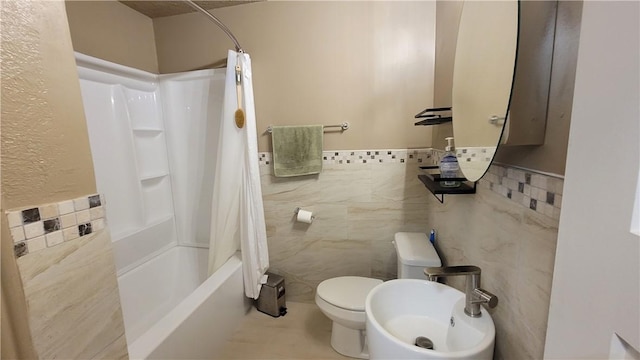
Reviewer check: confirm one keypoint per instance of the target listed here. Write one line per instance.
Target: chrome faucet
(474, 295)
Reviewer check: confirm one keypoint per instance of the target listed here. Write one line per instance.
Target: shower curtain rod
(218, 22)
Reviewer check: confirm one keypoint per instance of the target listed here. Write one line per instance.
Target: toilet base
(349, 342)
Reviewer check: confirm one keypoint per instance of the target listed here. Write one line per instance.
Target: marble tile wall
(515, 248)
(360, 200)
(360, 205)
(70, 285)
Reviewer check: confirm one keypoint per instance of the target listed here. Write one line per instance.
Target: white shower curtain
(237, 216)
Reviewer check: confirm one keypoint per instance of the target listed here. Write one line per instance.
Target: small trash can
(272, 300)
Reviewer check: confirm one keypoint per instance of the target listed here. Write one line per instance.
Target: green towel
(297, 150)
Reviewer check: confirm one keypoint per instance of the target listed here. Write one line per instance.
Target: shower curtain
(237, 214)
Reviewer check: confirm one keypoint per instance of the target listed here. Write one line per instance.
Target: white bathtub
(172, 311)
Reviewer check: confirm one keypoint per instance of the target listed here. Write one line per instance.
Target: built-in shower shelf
(159, 221)
(152, 177)
(163, 223)
(148, 130)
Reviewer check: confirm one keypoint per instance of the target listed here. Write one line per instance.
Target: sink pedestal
(349, 342)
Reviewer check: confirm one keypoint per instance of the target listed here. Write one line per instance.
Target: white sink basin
(399, 311)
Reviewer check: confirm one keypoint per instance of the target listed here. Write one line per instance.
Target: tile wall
(475, 153)
(66, 265)
(514, 246)
(40, 227)
(539, 192)
(362, 198)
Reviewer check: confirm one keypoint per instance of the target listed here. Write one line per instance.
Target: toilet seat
(347, 292)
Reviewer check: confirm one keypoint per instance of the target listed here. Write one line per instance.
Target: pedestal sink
(400, 311)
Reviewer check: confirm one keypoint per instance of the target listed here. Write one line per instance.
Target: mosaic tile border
(40, 227)
(379, 156)
(538, 192)
(475, 153)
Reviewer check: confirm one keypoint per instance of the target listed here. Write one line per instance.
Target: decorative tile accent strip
(347, 157)
(44, 226)
(538, 192)
(475, 153)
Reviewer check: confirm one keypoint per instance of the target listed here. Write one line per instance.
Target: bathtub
(172, 311)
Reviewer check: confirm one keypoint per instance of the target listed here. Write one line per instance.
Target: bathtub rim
(145, 345)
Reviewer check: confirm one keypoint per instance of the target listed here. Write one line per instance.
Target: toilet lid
(347, 292)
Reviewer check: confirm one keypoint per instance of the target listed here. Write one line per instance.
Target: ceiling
(160, 8)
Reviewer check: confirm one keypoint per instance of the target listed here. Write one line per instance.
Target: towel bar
(344, 126)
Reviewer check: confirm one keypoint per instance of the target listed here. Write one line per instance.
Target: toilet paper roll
(304, 216)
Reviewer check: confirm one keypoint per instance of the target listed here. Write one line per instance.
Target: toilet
(342, 298)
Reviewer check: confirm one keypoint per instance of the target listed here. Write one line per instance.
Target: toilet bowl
(342, 299)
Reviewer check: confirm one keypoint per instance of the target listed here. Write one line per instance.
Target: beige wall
(45, 145)
(112, 31)
(447, 19)
(376, 92)
(368, 63)
(551, 156)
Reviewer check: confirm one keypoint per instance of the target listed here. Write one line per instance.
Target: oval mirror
(482, 81)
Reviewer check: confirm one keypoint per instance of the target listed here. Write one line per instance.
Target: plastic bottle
(449, 165)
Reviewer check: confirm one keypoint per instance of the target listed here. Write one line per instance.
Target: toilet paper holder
(297, 210)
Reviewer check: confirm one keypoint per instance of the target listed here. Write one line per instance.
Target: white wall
(596, 285)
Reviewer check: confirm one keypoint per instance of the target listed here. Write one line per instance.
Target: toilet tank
(415, 252)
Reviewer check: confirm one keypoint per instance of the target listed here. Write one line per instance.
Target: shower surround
(153, 140)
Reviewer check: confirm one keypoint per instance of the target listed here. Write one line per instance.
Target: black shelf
(433, 117)
(431, 180)
(433, 121)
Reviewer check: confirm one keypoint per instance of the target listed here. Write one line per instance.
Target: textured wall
(46, 158)
(114, 32)
(45, 146)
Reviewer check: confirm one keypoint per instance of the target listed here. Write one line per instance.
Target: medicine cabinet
(501, 78)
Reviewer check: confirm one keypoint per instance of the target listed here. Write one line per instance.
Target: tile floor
(304, 333)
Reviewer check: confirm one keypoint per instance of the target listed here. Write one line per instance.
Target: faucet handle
(485, 297)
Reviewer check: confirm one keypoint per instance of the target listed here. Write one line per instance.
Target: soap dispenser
(449, 166)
